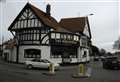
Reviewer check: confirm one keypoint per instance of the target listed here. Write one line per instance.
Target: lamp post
(88, 15)
(83, 70)
(86, 22)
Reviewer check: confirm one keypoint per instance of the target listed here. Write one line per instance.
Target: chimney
(48, 8)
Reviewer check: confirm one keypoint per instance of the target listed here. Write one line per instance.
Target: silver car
(40, 63)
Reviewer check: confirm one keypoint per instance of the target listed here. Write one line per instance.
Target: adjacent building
(38, 35)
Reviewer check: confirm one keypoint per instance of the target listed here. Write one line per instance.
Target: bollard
(88, 71)
(81, 73)
(81, 69)
(51, 68)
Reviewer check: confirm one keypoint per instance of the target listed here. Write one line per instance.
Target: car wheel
(29, 66)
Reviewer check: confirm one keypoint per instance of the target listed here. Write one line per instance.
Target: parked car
(102, 58)
(96, 58)
(111, 63)
(40, 63)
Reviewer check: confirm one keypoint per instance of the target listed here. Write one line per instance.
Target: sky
(104, 23)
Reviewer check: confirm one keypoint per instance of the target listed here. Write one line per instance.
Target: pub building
(38, 35)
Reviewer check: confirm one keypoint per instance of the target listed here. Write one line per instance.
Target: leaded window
(32, 53)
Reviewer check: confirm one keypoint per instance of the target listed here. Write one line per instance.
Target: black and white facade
(38, 35)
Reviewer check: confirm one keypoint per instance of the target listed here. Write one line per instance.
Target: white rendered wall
(82, 53)
(45, 52)
(86, 30)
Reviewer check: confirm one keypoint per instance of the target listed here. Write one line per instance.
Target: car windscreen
(46, 61)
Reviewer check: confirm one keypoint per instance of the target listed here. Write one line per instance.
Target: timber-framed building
(38, 35)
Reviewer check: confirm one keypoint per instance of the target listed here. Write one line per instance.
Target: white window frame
(52, 35)
(57, 35)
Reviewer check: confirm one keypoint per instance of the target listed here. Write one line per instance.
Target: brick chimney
(48, 8)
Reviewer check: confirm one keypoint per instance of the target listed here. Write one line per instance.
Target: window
(65, 37)
(44, 30)
(57, 36)
(83, 42)
(77, 38)
(61, 36)
(37, 36)
(71, 37)
(63, 52)
(32, 53)
(74, 37)
(52, 35)
(56, 52)
(84, 54)
(68, 37)
(34, 37)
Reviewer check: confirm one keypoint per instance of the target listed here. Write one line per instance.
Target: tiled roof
(47, 19)
(74, 24)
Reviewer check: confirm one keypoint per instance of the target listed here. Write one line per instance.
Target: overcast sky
(104, 23)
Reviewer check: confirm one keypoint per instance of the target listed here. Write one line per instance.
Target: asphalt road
(10, 72)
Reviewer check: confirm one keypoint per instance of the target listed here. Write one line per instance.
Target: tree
(109, 54)
(116, 44)
(95, 50)
(102, 52)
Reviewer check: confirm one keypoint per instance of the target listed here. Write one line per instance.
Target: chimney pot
(48, 8)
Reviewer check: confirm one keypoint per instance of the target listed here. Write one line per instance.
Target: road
(10, 72)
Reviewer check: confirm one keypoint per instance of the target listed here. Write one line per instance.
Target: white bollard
(51, 69)
(81, 69)
(88, 71)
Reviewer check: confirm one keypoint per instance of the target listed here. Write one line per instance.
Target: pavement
(11, 72)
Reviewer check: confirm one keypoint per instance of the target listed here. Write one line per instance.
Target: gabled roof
(76, 24)
(45, 18)
(73, 24)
